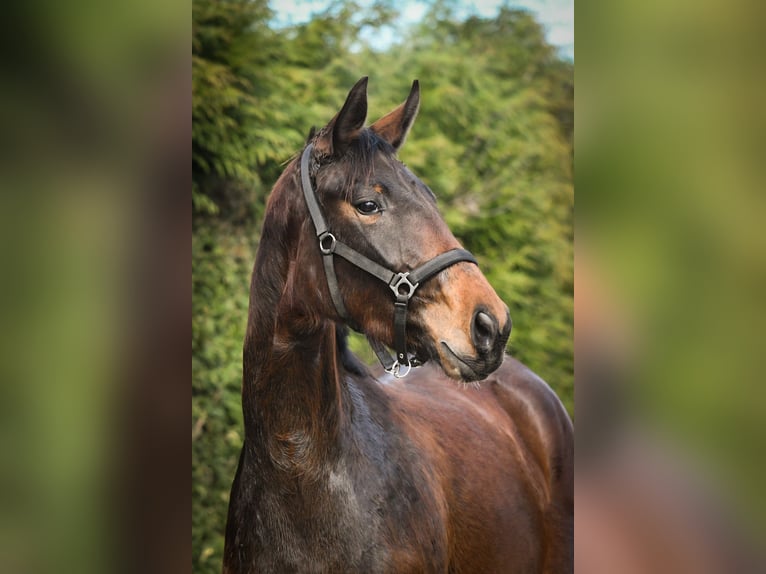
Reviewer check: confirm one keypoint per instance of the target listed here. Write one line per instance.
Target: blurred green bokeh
(82, 86)
(671, 204)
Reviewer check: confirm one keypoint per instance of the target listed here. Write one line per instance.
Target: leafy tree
(236, 122)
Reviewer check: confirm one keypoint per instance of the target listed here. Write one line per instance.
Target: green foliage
(493, 140)
(220, 276)
(240, 127)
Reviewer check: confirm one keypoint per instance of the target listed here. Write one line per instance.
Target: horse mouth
(457, 367)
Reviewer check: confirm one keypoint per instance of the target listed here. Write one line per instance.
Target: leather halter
(403, 284)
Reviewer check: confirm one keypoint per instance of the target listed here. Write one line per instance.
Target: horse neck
(292, 392)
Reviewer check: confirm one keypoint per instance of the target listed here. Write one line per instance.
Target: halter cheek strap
(403, 285)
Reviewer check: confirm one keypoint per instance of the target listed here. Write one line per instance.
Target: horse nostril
(484, 331)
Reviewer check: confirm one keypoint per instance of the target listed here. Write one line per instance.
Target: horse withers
(345, 470)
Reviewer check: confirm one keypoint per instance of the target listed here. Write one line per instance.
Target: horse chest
(343, 523)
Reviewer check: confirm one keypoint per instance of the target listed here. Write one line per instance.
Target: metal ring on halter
(396, 368)
(401, 280)
(327, 250)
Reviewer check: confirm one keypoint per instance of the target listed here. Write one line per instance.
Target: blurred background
(670, 287)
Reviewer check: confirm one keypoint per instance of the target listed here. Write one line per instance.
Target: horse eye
(367, 207)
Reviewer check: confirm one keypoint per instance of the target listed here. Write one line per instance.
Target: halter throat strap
(402, 284)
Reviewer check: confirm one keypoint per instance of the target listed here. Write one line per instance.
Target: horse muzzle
(489, 337)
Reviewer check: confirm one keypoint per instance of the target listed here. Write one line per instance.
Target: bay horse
(349, 469)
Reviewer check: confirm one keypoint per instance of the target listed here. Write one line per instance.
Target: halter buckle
(396, 369)
(402, 286)
(330, 249)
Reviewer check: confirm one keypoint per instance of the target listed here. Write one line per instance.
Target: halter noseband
(403, 285)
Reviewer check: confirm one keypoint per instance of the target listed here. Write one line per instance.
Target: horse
(464, 464)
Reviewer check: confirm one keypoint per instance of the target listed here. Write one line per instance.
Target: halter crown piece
(403, 285)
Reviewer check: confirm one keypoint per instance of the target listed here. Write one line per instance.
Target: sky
(557, 16)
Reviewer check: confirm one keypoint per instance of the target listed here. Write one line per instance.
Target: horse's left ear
(394, 126)
(347, 124)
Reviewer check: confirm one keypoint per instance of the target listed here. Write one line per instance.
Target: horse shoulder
(540, 422)
(545, 431)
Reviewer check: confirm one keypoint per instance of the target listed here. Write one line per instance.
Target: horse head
(369, 207)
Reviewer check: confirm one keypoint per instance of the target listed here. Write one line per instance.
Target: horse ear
(394, 126)
(347, 123)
